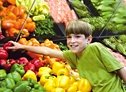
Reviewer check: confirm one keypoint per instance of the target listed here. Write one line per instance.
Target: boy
(93, 61)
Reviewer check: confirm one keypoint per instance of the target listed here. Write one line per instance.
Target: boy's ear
(89, 39)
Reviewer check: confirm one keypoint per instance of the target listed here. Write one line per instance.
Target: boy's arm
(122, 73)
(38, 49)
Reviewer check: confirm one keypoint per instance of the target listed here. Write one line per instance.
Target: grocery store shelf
(91, 8)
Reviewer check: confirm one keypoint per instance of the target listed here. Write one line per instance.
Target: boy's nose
(72, 39)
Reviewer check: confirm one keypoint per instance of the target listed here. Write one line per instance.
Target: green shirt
(98, 66)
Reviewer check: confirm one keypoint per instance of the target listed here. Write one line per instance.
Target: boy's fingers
(11, 48)
(12, 42)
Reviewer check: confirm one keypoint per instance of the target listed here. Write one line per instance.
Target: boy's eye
(68, 36)
(77, 36)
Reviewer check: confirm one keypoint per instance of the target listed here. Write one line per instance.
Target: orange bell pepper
(12, 32)
(25, 33)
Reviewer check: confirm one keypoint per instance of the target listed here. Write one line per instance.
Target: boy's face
(77, 42)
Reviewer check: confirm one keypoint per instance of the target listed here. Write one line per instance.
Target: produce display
(109, 14)
(117, 44)
(28, 20)
(110, 11)
(12, 19)
(39, 73)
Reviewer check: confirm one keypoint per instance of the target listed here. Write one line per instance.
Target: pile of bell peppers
(13, 82)
(4, 56)
(58, 78)
(23, 75)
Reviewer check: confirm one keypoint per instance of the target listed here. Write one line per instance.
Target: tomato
(21, 10)
(16, 11)
(11, 15)
(13, 2)
(17, 25)
(30, 26)
(23, 16)
(12, 32)
(21, 21)
(3, 11)
(6, 24)
(11, 7)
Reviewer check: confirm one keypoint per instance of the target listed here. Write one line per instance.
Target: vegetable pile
(12, 19)
(111, 14)
(40, 73)
(35, 73)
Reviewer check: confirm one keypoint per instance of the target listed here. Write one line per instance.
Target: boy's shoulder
(96, 44)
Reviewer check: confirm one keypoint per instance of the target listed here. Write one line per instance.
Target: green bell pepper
(37, 90)
(10, 83)
(22, 86)
(2, 74)
(19, 68)
(36, 87)
(15, 76)
(2, 84)
(4, 89)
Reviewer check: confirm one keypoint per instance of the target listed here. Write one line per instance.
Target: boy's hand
(16, 45)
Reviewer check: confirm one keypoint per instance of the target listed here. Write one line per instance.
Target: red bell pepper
(23, 60)
(6, 64)
(2, 62)
(37, 63)
(12, 61)
(6, 45)
(3, 54)
(7, 67)
(29, 66)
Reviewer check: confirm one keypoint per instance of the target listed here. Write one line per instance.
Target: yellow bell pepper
(63, 81)
(57, 66)
(84, 85)
(73, 87)
(58, 90)
(44, 71)
(63, 71)
(29, 74)
(49, 85)
(45, 78)
(72, 79)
